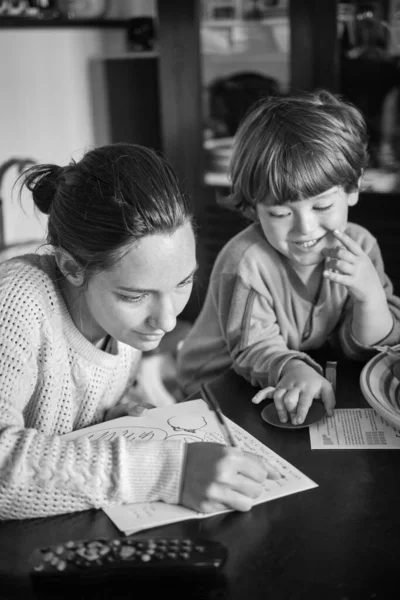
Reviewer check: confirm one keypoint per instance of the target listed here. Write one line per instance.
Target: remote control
(126, 557)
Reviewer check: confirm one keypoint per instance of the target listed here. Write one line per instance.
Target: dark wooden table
(339, 541)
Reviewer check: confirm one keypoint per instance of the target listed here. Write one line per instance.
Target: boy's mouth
(308, 243)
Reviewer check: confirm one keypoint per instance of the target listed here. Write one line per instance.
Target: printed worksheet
(192, 421)
(354, 428)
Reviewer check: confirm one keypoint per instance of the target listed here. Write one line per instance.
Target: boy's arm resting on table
(253, 336)
(261, 355)
(41, 474)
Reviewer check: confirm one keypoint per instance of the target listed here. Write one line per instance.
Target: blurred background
(178, 76)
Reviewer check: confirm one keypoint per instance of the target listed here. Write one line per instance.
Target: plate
(380, 386)
(316, 413)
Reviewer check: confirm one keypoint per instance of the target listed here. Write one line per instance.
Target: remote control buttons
(93, 556)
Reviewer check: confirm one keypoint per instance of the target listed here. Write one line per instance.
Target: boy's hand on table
(219, 477)
(299, 385)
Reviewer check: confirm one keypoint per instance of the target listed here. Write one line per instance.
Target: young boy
(301, 277)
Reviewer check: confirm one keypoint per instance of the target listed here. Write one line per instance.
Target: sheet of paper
(354, 428)
(136, 517)
(192, 421)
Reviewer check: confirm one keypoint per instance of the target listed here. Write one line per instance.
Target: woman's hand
(299, 385)
(219, 477)
(132, 404)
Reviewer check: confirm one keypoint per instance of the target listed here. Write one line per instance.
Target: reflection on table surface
(337, 541)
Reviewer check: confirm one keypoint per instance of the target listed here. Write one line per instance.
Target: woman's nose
(163, 315)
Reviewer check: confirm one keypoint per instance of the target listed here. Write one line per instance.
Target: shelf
(375, 181)
(43, 21)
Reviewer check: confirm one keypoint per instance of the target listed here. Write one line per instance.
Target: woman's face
(138, 300)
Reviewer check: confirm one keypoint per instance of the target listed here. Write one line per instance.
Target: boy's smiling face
(301, 230)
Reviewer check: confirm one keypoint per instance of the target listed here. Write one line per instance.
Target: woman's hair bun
(42, 181)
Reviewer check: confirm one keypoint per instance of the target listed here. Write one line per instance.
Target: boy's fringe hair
(296, 147)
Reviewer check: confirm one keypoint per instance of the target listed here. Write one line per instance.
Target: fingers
(272, 473)
(247, 487)
(135, 410)
(294, 404)
(291, 400)
(208, 506)
(347, 242)
(238, 490)
(303, 407)
(232, 500)
(116, 412)
(218, 477)
(286, 403)
(339, 253)
(328, 398)
(252, 466)
(345, 268)
(267, 471)
(339, 261)
(267, 392)
(337, 277)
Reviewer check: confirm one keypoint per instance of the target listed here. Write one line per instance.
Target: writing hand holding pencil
(223, 477)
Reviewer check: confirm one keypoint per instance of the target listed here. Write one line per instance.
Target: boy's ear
(69, 267)
(352, 198)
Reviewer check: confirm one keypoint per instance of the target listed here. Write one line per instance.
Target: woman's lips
(151, 337)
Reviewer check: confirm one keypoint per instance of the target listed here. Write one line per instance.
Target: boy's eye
(279, 215)
(323, 207)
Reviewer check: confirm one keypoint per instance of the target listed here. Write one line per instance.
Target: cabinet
(313, 64)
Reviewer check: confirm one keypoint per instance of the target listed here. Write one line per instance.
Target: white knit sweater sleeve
(42, 474)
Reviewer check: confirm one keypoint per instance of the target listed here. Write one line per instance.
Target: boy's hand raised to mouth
(350, 266)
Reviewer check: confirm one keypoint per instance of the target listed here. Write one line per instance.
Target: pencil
(211, 400)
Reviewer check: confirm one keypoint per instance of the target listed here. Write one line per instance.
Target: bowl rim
(379, 404)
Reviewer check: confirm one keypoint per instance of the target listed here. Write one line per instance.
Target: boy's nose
(306, 223)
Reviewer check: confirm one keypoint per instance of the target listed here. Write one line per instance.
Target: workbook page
(191, 421)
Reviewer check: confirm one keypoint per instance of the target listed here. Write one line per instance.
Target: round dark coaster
(316, 413)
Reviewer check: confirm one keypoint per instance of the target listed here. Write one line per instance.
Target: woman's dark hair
(297, 147)
(99, 206)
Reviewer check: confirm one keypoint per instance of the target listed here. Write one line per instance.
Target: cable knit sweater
(52, 381)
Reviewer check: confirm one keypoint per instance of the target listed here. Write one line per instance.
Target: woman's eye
(186, 282)
(322, 208)
(132, 299)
